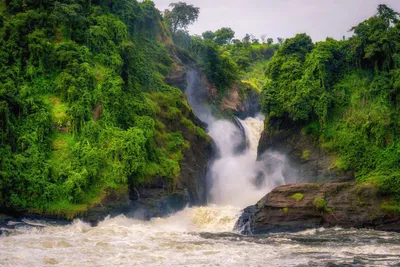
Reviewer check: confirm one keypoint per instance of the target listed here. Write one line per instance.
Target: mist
(236, 177)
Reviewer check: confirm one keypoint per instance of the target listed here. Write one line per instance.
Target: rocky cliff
(303, 152)
(302, 206)
(159, 197)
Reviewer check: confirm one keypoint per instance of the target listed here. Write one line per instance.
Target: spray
(236, 179)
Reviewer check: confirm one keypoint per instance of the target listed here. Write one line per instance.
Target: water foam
(239, 180)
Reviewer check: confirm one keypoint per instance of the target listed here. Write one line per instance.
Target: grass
(69, 211)
(61, 145)
(59, 109)
(298, 196)
(62, 141)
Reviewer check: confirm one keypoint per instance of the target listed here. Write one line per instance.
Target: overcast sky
(283, 18)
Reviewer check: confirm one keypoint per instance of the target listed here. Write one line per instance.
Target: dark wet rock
(4, 224)
(147, 207)
(159, 195)
(177, 77)
(114, 202)
(303, 206)
(194, 166)
(304, 154)
(252, 104)
(243, 145)
(9, 224)
(240, 105)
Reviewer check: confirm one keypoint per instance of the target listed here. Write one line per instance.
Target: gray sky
(283, 18)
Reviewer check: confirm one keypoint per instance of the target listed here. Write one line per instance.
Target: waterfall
(237, 179)
(202, 236)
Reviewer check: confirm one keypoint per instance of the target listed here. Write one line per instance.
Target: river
(193, 237)
(202, 236)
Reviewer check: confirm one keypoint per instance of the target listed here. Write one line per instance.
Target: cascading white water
(201, 236)
(234, 175)
(253, 128)
(237, 179)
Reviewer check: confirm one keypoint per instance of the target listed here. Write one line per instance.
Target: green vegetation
(227, 61)
(346, 93)
(84, 109)
(320, 204)
(181, 16)
(83, 106)
(306, 154)
(392, 207)
(298, 196)
(285, 210)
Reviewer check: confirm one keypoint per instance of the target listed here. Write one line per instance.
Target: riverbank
(194, 237)
(303, 206)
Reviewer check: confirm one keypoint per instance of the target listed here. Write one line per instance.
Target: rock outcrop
(304, 154)
(302, 206)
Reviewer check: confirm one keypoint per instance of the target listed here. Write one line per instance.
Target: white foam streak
(237, 178)
(176, 241)
(253, 128)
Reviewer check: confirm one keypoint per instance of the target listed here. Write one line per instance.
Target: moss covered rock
(327, 205)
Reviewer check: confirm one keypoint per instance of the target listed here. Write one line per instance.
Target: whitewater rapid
(193, 237)
(202, 236)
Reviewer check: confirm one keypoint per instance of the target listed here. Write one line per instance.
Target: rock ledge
(302, 206)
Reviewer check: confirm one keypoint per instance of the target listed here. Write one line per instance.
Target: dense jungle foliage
(84, 109)
(83, 105)
(346, 93)
(226, 61)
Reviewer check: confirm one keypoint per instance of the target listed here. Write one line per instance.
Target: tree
(246, 39)
(300, 45)
(181, 16)
(224, 36)
(270, 41)
(388, 15)
(375, 40)
(280, 40)
(253, 39)
(208, 35)
(263, 38)
(285, 92)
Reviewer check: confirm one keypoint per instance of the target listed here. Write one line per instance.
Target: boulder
(302, 206)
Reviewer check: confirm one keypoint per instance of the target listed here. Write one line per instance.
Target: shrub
(298, 196)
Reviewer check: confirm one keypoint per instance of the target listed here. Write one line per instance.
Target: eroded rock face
(302, 206)
(113, 203)
(303, 152)
(239, 106)
(159, 197)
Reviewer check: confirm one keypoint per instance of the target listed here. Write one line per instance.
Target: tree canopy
(346, 94)
(181, 16)
(83, 105)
